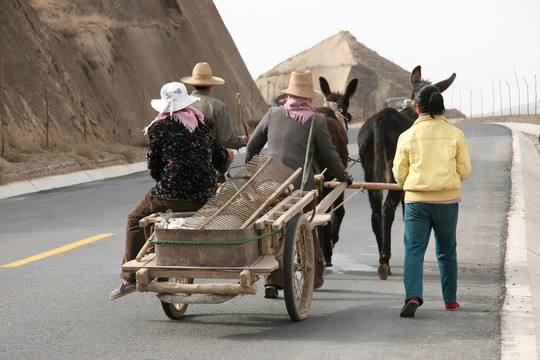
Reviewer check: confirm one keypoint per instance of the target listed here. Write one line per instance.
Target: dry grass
(13, 157)
(66, 158)
(26, 145)
(66, 29)
(84, 149)
(98, 150)
(71, 18)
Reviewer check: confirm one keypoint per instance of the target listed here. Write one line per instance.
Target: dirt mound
(339, 59)
(85, 71)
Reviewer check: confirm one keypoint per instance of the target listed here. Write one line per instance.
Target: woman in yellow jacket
(431, 161)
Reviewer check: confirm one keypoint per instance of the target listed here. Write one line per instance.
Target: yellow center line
(57, 250)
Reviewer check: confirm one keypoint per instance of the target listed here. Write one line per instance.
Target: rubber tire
(175, 311)
(298, 279)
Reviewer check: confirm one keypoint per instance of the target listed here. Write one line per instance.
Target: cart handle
(366, 185)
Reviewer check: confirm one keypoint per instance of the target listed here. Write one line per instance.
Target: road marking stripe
(57, 250)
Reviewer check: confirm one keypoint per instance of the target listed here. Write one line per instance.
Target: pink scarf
(298, 108)
(187, 116)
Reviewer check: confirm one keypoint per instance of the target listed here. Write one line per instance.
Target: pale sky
(481, 41)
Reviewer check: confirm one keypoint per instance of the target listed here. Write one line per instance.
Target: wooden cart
(278, 235)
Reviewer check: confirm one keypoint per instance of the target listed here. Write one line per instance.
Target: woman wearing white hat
(286, 129)
(183, 155)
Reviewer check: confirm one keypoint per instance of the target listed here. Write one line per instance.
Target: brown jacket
(287, 143)
(216, 110)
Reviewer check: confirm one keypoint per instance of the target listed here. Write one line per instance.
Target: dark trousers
(135, 238)
(276, 277)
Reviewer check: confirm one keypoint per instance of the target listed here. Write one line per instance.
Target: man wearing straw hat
(287, 130)
(214, 109)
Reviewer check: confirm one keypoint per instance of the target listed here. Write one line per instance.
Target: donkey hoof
(328, 263)
(384, 271)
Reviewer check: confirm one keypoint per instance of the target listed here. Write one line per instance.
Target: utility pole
(519, 92)
(509, 96)
(47, 119)
(84, 106)
(527, 84)
(481, 104)
(470, 101)
(492, 98)
(535, 95)
(500, 97)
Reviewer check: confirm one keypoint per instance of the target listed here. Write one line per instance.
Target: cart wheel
(298, 268)
(175, 311)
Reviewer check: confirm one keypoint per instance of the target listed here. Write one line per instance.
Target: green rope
(351, 159)
(214, 242)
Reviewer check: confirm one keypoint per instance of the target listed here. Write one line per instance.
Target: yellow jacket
(431, 160)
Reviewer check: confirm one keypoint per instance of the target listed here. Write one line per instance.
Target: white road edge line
(518, 334)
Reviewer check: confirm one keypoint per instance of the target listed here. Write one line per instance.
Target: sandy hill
(339, 59)
(85, 71)
(99, 63)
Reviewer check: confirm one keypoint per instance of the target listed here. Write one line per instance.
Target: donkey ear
(325, 88)
(351, 88)
(416, 75)
(443, 85)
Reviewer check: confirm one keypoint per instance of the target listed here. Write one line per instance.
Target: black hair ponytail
(430, 100)
(436, 104)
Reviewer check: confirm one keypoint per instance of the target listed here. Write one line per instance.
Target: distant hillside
(76, 71)
(339, 59)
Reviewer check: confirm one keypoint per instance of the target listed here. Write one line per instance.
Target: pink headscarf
(298, 108)
(187, 116)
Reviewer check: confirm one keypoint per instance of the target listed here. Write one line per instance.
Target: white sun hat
(174, 97)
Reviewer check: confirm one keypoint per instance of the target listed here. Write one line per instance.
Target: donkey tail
(379, 149)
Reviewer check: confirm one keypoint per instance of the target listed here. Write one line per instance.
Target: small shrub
(26, 144)
(85, 149)
(68, 30)
(14, 157)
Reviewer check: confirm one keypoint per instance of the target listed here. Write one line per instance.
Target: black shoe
(318, 285)
(271, 291)
(124, 289)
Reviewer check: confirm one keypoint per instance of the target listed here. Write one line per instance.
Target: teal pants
(420, 218)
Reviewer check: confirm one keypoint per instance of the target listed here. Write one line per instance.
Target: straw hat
(174, 97)
(202, 76)
(301, 85)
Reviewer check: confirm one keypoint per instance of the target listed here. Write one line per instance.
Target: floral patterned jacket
(183, 163)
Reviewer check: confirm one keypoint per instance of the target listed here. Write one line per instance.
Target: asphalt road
(57, 307)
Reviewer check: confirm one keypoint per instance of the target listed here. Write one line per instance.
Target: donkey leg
(375, 200)
(389, 210)
(325, 240)
(325, 237)
(337, 219)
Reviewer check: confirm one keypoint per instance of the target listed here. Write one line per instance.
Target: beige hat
(301, 85)
(202, 76)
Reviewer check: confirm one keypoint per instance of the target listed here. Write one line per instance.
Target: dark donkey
(335, 110)
(377, 140)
